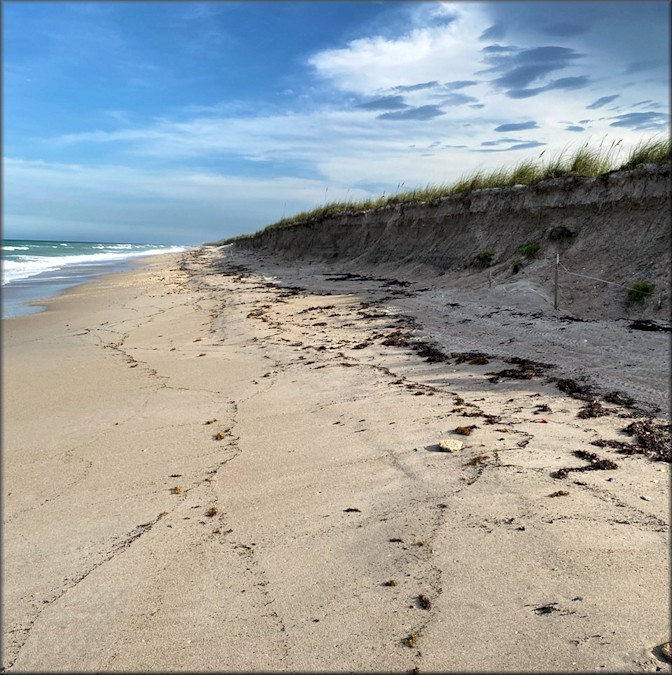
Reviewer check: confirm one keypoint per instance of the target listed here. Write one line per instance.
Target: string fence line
(559, 266)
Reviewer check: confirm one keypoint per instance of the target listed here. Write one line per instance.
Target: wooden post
(557, 264)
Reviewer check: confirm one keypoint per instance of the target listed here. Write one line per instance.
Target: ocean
(36, 270)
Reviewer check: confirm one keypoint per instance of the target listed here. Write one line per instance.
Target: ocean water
(36, 270)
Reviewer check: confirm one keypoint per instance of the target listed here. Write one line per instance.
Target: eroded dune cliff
(614, 228)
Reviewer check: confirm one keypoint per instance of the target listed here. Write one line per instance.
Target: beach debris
(546, 609)
(619, 398)
(559, 493)
(175, 475)
(541, 421)
(412, 639)
(646, 498)
(648, 324)
(212, 511)
(593, 409)
(421, 542)
(134, 365)
(666, 650)
(177, 490)
(219, 436)
(543, 407)
(465, 431)
(653, 439)
(526, 370)
(575, 390)
(450, 445)
(396, 540)
(473, 358)
(203, 354)
(424, 602)
(626, 448)
(596, 463)
(351, 510)
(479, 459)
(390, 582)
(212, 421)
(429, 352)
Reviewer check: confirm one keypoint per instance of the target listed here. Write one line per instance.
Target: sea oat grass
(586, 162)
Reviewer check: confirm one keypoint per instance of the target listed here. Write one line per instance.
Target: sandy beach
(218, 462)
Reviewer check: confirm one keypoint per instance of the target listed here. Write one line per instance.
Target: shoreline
(302, 428)
(30, 295)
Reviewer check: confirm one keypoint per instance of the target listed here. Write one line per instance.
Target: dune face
(615, 227)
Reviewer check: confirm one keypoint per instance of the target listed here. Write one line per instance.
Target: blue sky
(186, 122)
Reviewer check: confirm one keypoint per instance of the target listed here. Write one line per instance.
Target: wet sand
(217, 463)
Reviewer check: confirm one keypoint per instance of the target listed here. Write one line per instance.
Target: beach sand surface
(216, 463)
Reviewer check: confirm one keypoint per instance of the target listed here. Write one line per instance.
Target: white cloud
(444, 52)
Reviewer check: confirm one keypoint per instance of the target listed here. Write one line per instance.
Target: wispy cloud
(517, 126)
(642, 121)
(602, 101)
(425, 112)
(384, 103)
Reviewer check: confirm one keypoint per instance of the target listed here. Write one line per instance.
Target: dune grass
(586, 162)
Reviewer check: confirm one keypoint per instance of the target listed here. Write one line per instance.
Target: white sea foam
(29, 266)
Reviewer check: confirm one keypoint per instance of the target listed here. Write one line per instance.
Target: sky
(189, 122)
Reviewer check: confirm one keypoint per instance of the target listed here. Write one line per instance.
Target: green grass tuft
(485, 258)
(529, 248)
(640, 292)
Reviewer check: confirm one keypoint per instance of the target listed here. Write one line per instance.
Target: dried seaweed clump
(593, 409)
(465, 431)
(526, 370)
(575, 390)
(653, 438)
(479, 459)
(596, 464)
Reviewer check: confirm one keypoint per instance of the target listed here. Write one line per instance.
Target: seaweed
(479, 459)
(465, 431)
(595, 464)
(412, 639)
(526, 370)
(575, 390)
(652, 438)
(424, 602)
(619, 398)
(593, 409)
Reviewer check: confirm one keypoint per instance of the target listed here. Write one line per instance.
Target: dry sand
(207, 468)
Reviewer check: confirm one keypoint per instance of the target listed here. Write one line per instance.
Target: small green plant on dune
(640, 292)
(485, 258)
(529, 248)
